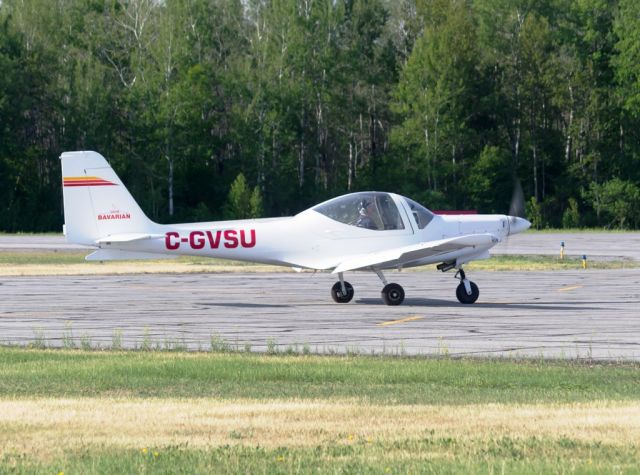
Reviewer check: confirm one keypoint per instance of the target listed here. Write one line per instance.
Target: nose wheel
(467, 292)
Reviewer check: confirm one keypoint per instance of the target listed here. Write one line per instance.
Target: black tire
(392, 294)
(338, 296)
(462, 295)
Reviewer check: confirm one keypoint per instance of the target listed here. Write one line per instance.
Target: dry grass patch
(131, 267)
(45, 426)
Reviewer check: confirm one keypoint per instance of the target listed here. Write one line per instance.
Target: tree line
(235, 108)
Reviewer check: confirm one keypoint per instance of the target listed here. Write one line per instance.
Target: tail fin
(96, 203)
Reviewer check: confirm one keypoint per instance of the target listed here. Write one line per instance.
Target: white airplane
(371, 231)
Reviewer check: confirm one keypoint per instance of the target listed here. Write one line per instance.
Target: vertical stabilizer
(96, 203)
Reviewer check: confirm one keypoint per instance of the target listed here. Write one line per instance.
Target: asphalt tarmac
(569, 314)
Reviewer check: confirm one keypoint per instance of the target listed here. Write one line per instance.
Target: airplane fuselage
(310, 239)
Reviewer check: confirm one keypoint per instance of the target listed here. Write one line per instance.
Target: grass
(435, 455)
(80, 411)
(73, 263)
(56, 262)
(545, 263)
(64, 373)
(580, 230)
(59, 257)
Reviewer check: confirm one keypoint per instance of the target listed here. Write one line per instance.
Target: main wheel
(392, 294)
(338, 296)
(462, 295)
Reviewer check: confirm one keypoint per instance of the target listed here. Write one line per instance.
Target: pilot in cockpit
(365, 211)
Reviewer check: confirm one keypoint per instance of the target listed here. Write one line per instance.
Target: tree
(489, 182)
(444, 100)
(617, 203)
(30, 108)
(434, 99)
(627, 61)
(244, 202)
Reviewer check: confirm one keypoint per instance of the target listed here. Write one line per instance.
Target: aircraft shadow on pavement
(242, 305)
(422, 302)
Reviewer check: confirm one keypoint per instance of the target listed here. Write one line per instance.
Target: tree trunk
(569, 140)
(170, 160)
(350, 171)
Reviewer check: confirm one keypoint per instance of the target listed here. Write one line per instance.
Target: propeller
(516, 209)
(517, 221)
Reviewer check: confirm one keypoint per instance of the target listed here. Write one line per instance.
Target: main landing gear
(467, 291)
(342, 291)
(392, 294)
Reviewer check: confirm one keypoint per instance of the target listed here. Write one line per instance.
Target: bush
(571, 215)
(616, 202)
(533, 212)
(244, 202)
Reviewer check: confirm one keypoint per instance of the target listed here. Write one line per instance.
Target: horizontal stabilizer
(116, 255)
(415, 252)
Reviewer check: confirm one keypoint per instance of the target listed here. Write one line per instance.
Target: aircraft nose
(518, 225)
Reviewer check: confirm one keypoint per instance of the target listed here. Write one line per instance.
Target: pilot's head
(365, 207)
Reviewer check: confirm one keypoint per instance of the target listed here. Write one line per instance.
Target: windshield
(371, 210)
(421, 215)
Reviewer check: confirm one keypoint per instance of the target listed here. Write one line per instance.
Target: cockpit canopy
(372, 210)
(421, 215)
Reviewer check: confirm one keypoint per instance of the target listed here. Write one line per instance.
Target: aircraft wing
(415, 252)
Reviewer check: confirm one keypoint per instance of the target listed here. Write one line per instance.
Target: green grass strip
(59, 373)
(429, 455)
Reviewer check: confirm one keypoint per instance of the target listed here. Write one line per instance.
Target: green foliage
(627, 61)
(533, 211)
(255, 203)
(433, 95)
(244, 202)
(571, 215)
(616, 202)
(489, 180)
(443, 100)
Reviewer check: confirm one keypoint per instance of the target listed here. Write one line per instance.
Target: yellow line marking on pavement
(402, 320)
(571, 287)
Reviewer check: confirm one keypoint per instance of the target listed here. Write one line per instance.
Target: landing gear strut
(392, 294)
(467, 292)
(342, 291)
